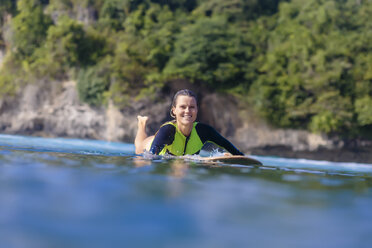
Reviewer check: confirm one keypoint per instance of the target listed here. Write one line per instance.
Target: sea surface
(85, 193)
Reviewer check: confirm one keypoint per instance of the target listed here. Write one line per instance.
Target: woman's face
(186, 110)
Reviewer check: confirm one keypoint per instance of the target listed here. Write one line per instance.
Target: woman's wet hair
(184, 92)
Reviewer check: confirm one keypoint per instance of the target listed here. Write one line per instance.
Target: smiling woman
(182, 135)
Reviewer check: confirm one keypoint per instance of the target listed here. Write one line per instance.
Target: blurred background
(289, 78)
(278, 78)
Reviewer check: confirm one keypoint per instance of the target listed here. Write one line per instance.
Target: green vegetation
(92, 83)
(299, 63)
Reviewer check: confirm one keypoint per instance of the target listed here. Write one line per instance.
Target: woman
(183, 135)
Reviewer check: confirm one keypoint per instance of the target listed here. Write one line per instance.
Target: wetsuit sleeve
(208, 133)
(163, 137)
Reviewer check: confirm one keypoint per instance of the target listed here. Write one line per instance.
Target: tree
(143, 50)
(7, 7)
(113, 13)
(211, 51)
(237, 10)
(310, 73)
(68, 45)
(92, 84)
(30, 27)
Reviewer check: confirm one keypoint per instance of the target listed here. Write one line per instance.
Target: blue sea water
(85, 193)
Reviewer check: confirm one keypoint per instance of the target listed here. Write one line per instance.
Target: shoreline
(53, 109)
(342, 155)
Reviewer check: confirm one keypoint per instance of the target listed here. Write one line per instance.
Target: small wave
(320, 165)
(66, 145)
(104, 148)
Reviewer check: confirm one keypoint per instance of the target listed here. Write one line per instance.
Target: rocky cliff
(53, 109)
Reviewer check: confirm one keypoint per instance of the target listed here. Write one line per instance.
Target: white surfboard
(234, 159)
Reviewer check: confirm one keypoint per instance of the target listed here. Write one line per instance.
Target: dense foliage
(299, 63)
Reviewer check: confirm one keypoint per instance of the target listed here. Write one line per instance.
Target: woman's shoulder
(166, 131)
(168, 126)
(202, 125)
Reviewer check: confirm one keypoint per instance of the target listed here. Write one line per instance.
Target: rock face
(2, 54)
(243, 126)
(53, 109)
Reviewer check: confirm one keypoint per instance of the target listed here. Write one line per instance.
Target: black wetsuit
(171, 141)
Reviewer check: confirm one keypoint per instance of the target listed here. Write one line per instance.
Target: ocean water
(84, 193)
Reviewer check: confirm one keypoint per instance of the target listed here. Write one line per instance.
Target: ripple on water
(69, 199)
(292, 177)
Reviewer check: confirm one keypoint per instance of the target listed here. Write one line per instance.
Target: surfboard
(237, 159)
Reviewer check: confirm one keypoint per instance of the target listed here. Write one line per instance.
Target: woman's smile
(186, 110)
